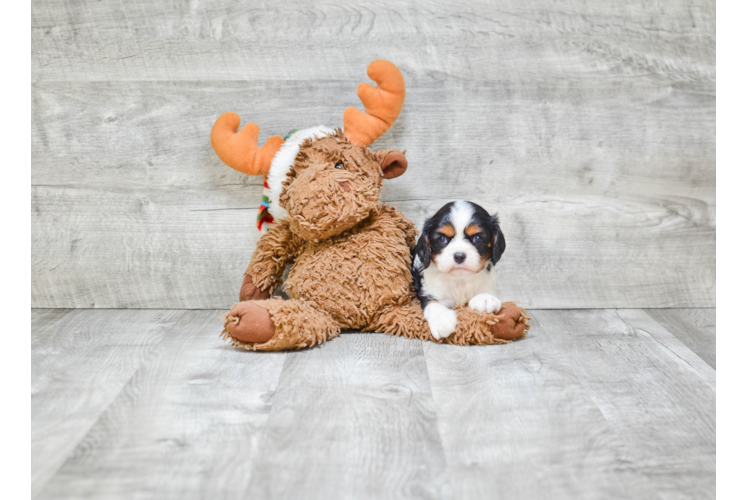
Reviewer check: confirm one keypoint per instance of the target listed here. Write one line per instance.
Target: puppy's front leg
(442, 320)
(485, 302)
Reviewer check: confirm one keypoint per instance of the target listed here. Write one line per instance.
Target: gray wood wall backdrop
(589, 126)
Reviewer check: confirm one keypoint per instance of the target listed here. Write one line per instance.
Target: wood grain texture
(517, 422)
(80, 361)
(184, 426)
(152, 404)
(131, 208)
(696, 328)
(353, 418)
(658, 395)
(185, 252)
(575, 136)
(589, 126)
(265, 40)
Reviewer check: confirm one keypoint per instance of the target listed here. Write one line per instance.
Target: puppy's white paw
(442, 320)
(485, 302)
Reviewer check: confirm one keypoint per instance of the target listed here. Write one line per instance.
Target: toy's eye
(339, 165)
(477, 238)
(443, 239)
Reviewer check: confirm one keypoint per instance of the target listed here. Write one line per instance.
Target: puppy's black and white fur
(454, 262)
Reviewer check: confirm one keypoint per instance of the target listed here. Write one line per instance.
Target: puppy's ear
(393, 162)
(499, 243)
(423, 250)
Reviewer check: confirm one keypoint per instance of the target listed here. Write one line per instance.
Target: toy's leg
(404, 321)
(479, 328)
(473, 328)
(276, 325)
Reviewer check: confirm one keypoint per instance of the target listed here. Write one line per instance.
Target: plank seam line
(438, 420)
(584, 387)
(101, 413)
(633, 329)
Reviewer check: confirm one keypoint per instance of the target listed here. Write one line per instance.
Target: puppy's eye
(339, 165)
(443, 239)
(477, 238)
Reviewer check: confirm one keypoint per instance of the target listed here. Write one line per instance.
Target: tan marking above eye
(472, 229)
(447, 230)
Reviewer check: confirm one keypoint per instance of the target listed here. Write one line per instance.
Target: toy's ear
(499, 243)
(393, 163)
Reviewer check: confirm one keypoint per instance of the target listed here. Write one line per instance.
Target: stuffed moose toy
(349, 254)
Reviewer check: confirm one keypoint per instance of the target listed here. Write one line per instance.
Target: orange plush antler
(239, 150)
(382, 104)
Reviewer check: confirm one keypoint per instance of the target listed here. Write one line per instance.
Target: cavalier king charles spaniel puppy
(454, 262)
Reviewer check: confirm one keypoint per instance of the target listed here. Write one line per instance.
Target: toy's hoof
(252, 323)
(250, 292)
(512, 322)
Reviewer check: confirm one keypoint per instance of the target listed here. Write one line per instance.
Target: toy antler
(382, 104)
(239, 150)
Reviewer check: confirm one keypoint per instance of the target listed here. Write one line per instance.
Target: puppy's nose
(460, 257)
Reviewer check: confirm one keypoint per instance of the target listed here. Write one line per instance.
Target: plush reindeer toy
(349, 254)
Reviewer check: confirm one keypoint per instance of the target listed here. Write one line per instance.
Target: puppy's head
(460, 239)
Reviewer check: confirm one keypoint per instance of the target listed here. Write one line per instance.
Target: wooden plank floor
(592, 404)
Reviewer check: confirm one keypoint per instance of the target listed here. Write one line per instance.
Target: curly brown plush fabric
(402, 320)
(473, 328)
(297, 325)
(352, 275)
(275, 250)
(324, 201)
(349, 258)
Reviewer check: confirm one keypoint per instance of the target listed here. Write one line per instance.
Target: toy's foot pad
(513, 322)
(249, 323)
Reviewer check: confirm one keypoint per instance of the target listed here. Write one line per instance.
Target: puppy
(454, 262)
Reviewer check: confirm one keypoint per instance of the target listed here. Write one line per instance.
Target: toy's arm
(275, 249)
